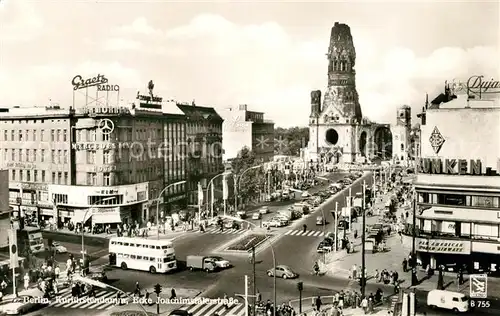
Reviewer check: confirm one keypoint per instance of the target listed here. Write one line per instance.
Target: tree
(289, 141)
(252, 182)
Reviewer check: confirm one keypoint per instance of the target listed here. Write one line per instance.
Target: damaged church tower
(337, 130)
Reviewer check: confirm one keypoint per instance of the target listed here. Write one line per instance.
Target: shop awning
(78, 216)
(106, 218)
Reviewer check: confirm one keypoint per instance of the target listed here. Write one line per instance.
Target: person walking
(26, 281)
(318, 303)
(364, 305)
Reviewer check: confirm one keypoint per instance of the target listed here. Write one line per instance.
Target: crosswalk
(212, 309)
(103, 300)
(307, 233)
(216, 230)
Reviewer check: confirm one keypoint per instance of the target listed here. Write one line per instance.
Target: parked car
(282, 271)
(282, 220)
(232, 225)
(24, 304)
(241, 214)
(256, 216)
(59, 248)
(326, 245)
(264, 210)
(98, 274)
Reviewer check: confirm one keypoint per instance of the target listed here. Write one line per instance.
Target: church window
(341, 66)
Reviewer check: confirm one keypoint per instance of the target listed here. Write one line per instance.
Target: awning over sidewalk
(106, 218)
(79, 215)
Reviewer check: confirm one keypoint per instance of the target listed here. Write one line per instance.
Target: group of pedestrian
(387, 277)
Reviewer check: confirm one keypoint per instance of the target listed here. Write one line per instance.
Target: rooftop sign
(472, 167)
(476, 85)
(149, 101)
(99, 81)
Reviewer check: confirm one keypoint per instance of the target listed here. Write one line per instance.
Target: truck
(201, 263)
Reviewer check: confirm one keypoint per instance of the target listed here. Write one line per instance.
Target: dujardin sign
(149, 101)
(471, 167)
(99, 81)
(477, 85)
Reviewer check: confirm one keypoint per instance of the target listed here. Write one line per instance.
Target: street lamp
(211, 182)
(237, 186)
(158, 205)
(272, 251)
(83, 222)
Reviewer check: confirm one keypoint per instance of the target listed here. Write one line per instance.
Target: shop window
(451, 199)
(485, 201)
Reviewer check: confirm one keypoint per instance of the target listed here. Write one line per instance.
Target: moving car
(232, 225)
(457, 302)
(24, 304)
(320, 220)
(220, 262)
(98, 274)
(282, 271)
(282, 220)
(305, 194)
(241, 214)
(59, 248)
(264, 210)
(256, 216)
(272, 223)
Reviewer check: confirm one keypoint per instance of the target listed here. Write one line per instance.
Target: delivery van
(454, 301)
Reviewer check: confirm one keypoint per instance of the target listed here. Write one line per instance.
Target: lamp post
(158, 205)
(83, 222)
(237, 187)
(272, 251)
(211, 182)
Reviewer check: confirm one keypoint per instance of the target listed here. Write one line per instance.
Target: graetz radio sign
(99, 81)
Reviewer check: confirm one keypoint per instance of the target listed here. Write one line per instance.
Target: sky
(266, 54)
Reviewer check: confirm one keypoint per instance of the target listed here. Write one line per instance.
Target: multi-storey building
(458, 184)
(204, 147)
(244, 128)
(401, 136)
(100, 163)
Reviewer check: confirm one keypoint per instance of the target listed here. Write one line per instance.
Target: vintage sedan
(24, 304)
(264, 210)
(59, 248)
(256, 216)
(272, 223)
(282, 271)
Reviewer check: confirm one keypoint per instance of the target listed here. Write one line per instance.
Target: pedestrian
(26, 281)
(405, 265)
(304, 228)
(225, 301)
(364, 305)
(318, 303)
(173, 294)
(137, 291)
(57, 272)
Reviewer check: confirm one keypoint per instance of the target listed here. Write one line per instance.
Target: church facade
(338, 132)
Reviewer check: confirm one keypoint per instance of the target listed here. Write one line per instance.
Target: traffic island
(246, 243)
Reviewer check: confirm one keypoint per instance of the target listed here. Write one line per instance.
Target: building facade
(244, 128)
(100, 164)
(338, 132)
(458, 184)
(203, 142)
(5, 209)
(401, 138)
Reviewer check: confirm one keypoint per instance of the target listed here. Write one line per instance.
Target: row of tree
(289, 141)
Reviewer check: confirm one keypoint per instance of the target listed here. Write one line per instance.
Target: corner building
(458, 185)
(67, 165)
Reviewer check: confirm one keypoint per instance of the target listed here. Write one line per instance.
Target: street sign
(478, 286)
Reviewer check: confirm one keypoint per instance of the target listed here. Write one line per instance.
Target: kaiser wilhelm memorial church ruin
(338, 132)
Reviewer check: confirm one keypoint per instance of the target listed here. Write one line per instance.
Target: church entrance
(362, 144)
(383, 143)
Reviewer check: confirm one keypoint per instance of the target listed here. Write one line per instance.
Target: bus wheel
(124, 266)
(152, 270)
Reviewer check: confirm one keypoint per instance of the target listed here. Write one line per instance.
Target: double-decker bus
(155, 256)
(30, 238)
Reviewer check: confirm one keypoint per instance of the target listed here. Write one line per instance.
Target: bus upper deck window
(132, 245)
(126, 244)
(145, 246)
(113, 243)
(152, 259)
(151, 247)
(158, 247)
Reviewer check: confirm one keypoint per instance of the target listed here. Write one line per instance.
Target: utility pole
(363, 263)
(254, 282)
(300, 287)
(336, 226)
(157, 288)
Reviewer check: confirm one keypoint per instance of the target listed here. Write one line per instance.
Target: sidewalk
(340, 264)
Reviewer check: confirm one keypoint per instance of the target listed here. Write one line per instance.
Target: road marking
(288, 232)
(307, 233)
(318, 234)
(210, 309)
(312, 232)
